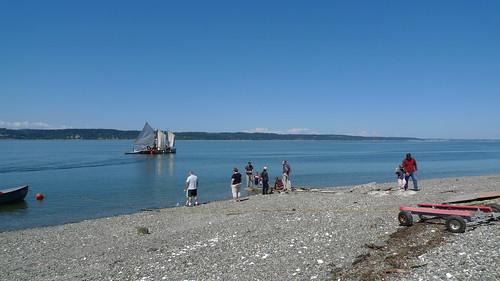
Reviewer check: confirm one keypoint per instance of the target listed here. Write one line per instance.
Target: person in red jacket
(410, 167)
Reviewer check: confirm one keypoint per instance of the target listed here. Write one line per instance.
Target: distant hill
(272, 136)
(111, 134)
(88, 134)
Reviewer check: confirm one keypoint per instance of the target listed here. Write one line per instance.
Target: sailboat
(150, 141)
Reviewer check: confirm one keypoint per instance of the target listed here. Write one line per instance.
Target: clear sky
(383, 68)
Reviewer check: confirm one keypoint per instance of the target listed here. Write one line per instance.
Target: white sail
(171, 139)
(145, 138)
(161, 140)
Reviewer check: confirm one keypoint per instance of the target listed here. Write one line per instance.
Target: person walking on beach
(287, 184)
(410, 166)
(265, 181)
(235, 184)
(249, 173)
(192, 189)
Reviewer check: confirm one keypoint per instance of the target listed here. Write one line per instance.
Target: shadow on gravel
(396, 255)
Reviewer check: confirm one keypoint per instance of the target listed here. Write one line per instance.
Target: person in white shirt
(192, 189)
(287, 184)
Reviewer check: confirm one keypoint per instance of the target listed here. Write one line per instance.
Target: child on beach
(278, 184)
(400, 174)
(256, 179)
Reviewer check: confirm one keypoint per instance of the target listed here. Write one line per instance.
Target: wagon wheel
(495, 207)
(455, 224)
(405, 218)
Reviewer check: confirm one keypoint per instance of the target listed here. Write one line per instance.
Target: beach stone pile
(473, 255)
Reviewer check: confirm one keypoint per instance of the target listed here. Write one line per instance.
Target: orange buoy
(39, 196)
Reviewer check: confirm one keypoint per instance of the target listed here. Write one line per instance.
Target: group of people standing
(404, 172)
(258, 178)
(284, 184)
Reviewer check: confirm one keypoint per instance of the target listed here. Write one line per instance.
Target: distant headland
(112, 134)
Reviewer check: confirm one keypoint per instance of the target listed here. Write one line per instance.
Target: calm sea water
(90, 179)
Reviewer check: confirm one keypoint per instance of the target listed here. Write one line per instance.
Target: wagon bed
(456, 217)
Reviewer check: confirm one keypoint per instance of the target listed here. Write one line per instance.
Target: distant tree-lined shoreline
(112, 134)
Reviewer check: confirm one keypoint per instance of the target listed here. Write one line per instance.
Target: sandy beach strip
(352, 234)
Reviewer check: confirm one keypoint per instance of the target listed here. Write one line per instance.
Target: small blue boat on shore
(14, 194)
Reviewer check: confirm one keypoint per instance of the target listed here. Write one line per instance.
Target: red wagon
(456, 217)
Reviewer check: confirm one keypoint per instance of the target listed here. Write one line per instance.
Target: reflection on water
(170, 164)
(159, 164)
(156, 179)
(13, 207)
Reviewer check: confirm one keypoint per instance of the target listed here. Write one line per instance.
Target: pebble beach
(351, 233)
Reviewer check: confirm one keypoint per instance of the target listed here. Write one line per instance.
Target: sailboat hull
(153, 152)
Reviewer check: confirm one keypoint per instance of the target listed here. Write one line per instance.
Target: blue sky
(385, 68)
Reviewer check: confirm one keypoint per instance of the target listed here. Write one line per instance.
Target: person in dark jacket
(410, 166)
(235, 184)
(265, 181)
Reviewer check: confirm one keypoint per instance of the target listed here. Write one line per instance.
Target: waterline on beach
(90, 179)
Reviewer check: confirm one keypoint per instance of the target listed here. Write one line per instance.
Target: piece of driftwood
(474, 197)
(317, 190)
(395, 270)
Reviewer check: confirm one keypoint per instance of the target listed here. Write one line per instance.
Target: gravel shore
(295, 236)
